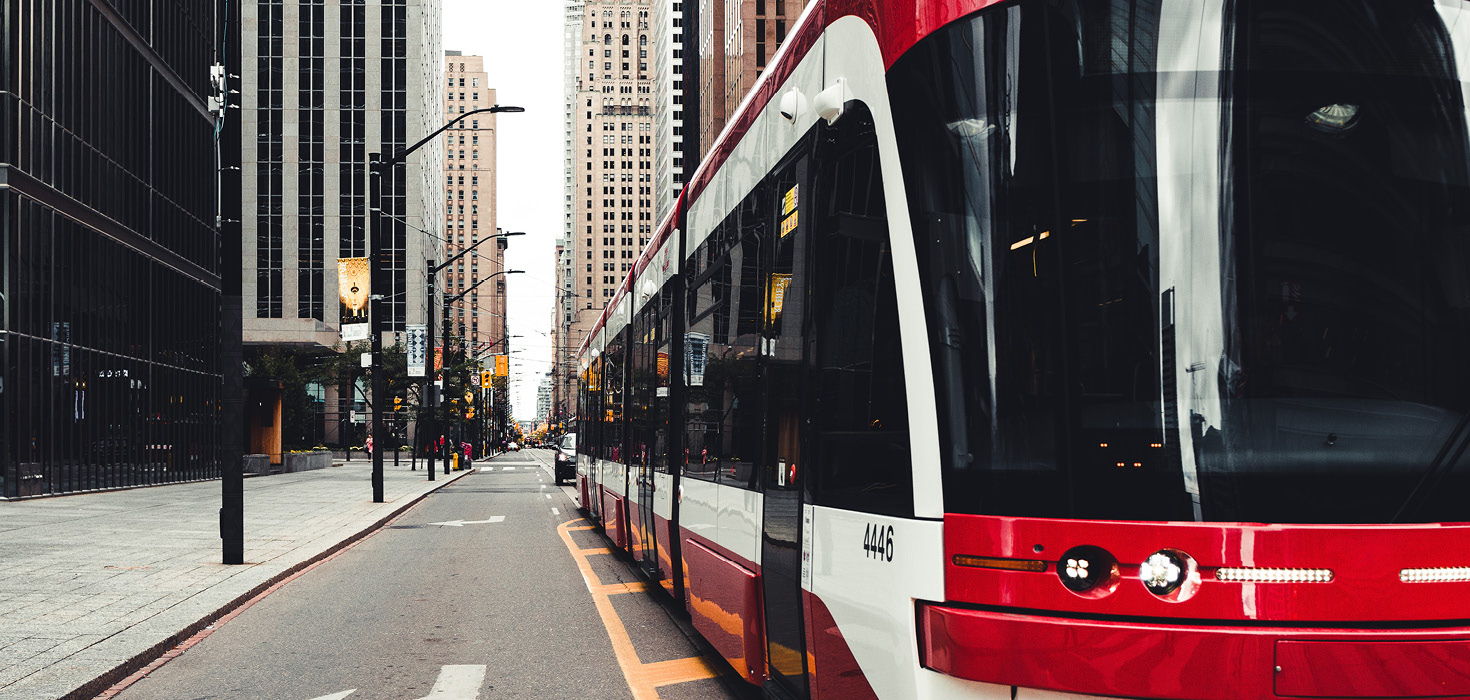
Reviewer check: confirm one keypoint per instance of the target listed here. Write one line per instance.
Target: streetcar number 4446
(878, 542)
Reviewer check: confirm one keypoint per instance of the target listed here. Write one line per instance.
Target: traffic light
(468, 414)
(486, 379)
(397, 404)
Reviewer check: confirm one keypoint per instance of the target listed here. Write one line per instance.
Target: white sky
(521, 42)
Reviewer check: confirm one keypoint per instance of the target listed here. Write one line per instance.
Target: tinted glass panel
(858, 413)
(1180, 266)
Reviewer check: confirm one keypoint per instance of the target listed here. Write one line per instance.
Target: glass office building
(110, 370)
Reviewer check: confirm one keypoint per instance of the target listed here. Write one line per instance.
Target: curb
(103, 683)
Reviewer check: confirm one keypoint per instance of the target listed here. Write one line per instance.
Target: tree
(299, 369)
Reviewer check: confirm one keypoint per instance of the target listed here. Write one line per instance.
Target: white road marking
(547, 495)
(555, 511)
(337, 696)
(507, 469)
(457, 683)
(462, 523)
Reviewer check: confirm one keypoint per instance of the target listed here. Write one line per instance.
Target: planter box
(307, 461)
(257, 465)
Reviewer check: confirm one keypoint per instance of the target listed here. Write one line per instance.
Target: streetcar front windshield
(1196, 259)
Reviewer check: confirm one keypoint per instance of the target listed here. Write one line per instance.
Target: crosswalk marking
(337, 696)
(461, 682)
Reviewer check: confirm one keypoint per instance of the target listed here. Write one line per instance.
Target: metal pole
(426, 401)
(375, 325)
(446, 360)
(232, 405)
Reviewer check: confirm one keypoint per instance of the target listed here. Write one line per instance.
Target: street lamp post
(431, 279)
(449, 301)
(377, 166)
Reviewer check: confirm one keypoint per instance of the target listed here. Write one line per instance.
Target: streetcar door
(783, 347)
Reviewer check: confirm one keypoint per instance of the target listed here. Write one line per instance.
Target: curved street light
(377, 166)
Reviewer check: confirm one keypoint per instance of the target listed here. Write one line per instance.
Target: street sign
(417, 348)
(366, 360)
(355, 331)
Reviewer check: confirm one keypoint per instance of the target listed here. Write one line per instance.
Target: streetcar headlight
(1165, 571)
(1088, 570)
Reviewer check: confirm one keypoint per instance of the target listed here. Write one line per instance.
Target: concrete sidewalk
(93, 585)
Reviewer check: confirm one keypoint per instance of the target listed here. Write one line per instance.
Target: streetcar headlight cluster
(1240, 574)
(1442, 574)
(1170, 574)
(1088, 571)
(1162, 573)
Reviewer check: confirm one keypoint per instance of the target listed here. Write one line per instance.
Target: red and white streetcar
(1063, 347)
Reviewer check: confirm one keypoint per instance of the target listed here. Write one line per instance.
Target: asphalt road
(425, 608)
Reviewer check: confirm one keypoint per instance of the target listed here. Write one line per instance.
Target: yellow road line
(643, 679)
(676, 671)
(594, 550)
(616, 588)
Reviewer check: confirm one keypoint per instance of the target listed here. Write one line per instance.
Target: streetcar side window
(611, 439)
(664, 361)
(857, 405)
(590, 409)
(724, 404)
(745, 409)
(647, 411)
(700, 417)
(636, 415)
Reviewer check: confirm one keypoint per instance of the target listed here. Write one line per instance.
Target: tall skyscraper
(110, 371)
(327, 83)
(668, 92)
(568, 300)
(469, 206)
(563, 312)
(613, 143)
(735, 39)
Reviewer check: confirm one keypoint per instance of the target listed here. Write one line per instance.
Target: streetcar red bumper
(1148, 660)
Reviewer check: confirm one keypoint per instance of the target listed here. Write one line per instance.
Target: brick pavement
(90, 583)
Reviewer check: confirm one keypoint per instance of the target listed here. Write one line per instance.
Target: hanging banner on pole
(416, 341)
(354, 284)
(502, 365)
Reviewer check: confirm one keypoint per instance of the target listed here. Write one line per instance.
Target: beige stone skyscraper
(612, 153)
(469, 206)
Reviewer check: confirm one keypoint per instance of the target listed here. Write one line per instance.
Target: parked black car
(566, 458)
